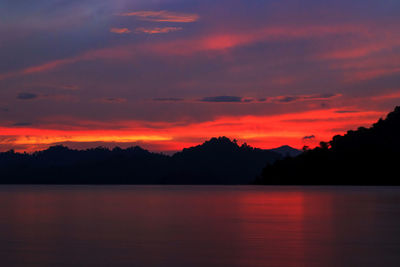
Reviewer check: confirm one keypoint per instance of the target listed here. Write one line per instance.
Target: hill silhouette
(287, 151)
(367, 156)
(220, 161)
(217, 161)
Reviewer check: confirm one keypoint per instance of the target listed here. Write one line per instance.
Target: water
(199, 226)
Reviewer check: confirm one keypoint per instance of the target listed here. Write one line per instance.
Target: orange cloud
(157, 30)
(120, 30)
(163, 16)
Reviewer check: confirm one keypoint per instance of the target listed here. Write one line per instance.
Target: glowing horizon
(258, 131)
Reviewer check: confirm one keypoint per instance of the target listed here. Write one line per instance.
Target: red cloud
(209, 43)
(120, 30)
(105, 53)
(225, 41)
(368, 74)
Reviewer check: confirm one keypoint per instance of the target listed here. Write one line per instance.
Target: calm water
(199, 226)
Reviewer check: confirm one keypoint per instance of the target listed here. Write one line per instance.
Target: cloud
(54, 87)
(326, 95)
(4, 109)
(119, 52)
(208, 99)
(248, 99)
(46, 66)
(369, 67)
(309, 137)
(22, 124)
(369, 74)
(27, 96)
(229, 40)
(157, 30)
(207, 43)
(241, 99)
(54, 97)
(222, 99)
(4, 139)
(346, 111)
(168, 99)
(120, 30)
(287, 99)
(358, 49)
(296, 98)
(163, 16)
(386, 96)
(111, 100)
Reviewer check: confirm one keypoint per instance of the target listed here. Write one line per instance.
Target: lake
(199, 226)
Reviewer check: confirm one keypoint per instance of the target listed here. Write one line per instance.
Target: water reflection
(199, 226)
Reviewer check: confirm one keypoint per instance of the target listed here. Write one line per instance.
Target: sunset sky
(168, 74)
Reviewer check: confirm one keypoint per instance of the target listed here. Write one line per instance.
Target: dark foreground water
(199, 226)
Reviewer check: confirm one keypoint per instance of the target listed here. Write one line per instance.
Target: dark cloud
(111, 100)
(27, 96)
(209, 99)
(168, 99)
(4, 109)
(8, 139)
(51, 88)
(295, 98)
(247, 100)
(22, 124)
(222, 99)
(240, 99)
(324, 105)
(287, 99)
(346, 111)
(309, 137)
(327, 95)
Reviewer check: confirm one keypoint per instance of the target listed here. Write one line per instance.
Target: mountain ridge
(216, 161)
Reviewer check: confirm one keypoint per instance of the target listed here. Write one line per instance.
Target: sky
(169, 74)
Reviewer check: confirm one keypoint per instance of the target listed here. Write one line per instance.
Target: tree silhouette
(367, 156)
(216, 161)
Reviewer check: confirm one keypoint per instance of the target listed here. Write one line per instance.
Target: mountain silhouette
(367, 156)
(287, 151)
(217, 161)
